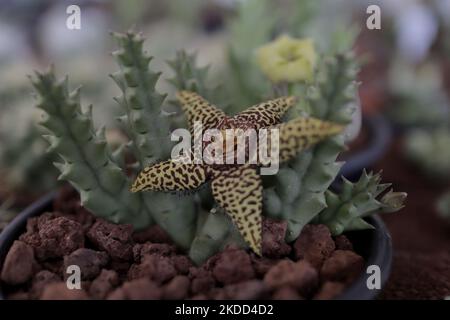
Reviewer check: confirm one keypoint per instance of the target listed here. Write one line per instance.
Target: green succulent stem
(85, 157)
(148, 129)
(299, 191)
(187, 75)
(346, 210)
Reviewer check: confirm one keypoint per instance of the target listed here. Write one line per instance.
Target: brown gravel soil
(421, 239)
(118, 263)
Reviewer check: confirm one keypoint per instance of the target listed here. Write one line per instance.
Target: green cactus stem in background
(346, 210)
(190, 77)
(253, 26)
(140, 102)
(25, 166)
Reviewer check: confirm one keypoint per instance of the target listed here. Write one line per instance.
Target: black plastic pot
(380, 136)
(374, 245)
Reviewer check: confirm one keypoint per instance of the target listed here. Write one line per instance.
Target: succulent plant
(297, 194)
(299, 190)
(345, 210)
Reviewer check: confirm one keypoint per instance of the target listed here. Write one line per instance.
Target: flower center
(233, 132)
(289, 54)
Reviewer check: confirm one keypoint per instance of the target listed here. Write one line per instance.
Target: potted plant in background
(189, 247)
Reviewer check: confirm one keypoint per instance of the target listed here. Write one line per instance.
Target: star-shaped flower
(236, 187)
(287, 59)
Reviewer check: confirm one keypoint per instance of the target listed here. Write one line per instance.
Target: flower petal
(239, 191)
(170, 176)
(267, 113)
(301, 133)
(197, 109)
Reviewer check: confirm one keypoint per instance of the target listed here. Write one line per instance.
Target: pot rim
(380, 248)
(380, 255)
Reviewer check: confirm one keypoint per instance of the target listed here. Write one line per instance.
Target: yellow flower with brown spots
(287, 59)
(237, 188)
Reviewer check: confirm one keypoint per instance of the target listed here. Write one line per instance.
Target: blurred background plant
(429, 150)
(444, 205)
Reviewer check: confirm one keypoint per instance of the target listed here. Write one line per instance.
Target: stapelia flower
(236, 187)
(287, 59)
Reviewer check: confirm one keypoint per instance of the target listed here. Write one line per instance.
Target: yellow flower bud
(287, 59)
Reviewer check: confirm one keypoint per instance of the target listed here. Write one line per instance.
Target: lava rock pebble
(201, 280)
(177, 288)
(329, 290)
(59, 291)
(314, 244)
(299, 275)
(247, 290)
(161, 249)
(153, 234)
(53, 237)
(274, 245)
(41, 280)
(286, 293)
(90, 262)
(101, 286)
(343, 243)
(343, 265)
(157, 268)
(19, 264)
(139, 289)
(232, 266)
(112, 238)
